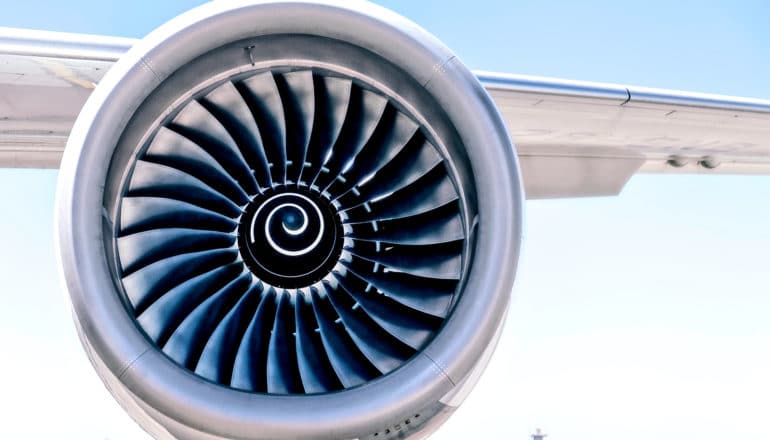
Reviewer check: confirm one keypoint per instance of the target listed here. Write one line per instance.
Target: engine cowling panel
(288, 220)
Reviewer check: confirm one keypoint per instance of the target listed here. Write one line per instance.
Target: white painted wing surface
(579, 138)
(573, 138)
(45, 78)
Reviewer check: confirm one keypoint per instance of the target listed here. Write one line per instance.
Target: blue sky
(640, 316)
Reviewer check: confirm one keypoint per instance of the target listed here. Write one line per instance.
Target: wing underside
(580, 139)
(45, 78)
(573, 138)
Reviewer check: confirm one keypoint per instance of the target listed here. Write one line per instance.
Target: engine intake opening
(253, 116)
(290, 230)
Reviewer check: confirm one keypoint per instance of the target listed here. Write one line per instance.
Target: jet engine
(285, 220)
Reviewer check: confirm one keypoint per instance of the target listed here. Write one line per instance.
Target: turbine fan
(289, 219)
(290, 231)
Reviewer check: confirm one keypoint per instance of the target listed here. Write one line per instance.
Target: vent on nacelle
(290, 231)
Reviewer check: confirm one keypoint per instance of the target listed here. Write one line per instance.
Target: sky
(639, 316)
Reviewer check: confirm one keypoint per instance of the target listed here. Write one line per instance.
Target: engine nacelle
(282, 220)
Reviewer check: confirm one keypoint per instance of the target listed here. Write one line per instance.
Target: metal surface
(549, 119)
(579, 138)
(45, 78)
(62, 45)
(361, 41)
(275, 205)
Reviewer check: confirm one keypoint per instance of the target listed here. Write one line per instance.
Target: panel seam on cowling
(130, 364)
(149, 67)
(440, 369)
(438, 69)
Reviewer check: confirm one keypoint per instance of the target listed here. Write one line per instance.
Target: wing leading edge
(574, 138)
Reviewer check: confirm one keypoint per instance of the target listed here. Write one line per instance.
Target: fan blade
(391, 136)
(314, 367)
(282, 372)
(144, 248)
(429, 192)
(163, 316)
(216, 360)
(147, 284)
(297, 91)
(332, 100)
(138, 214)
(188, 340)
(407, 325)
(348, 363)
(364, 115)
(250, 366)
(442, 261)
(376, 344)
(414, 161)
(171, 149)
(438, 226)
(264, 100)
(196, 123)
(228, 106)
(156, 180)
(427, 295)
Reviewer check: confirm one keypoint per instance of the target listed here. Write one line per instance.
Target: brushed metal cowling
(466, 215)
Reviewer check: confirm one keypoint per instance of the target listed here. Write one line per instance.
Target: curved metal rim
(184, 397)
(129, 147)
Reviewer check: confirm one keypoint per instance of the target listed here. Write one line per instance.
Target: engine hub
(290, 237)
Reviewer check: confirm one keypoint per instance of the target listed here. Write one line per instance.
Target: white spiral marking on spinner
(294, 232)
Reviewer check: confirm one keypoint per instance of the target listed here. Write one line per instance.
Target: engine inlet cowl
(285, 220)
(290, 231)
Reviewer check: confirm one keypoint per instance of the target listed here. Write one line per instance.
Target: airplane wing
(579, 138)
(573, 138)
(45, 78)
